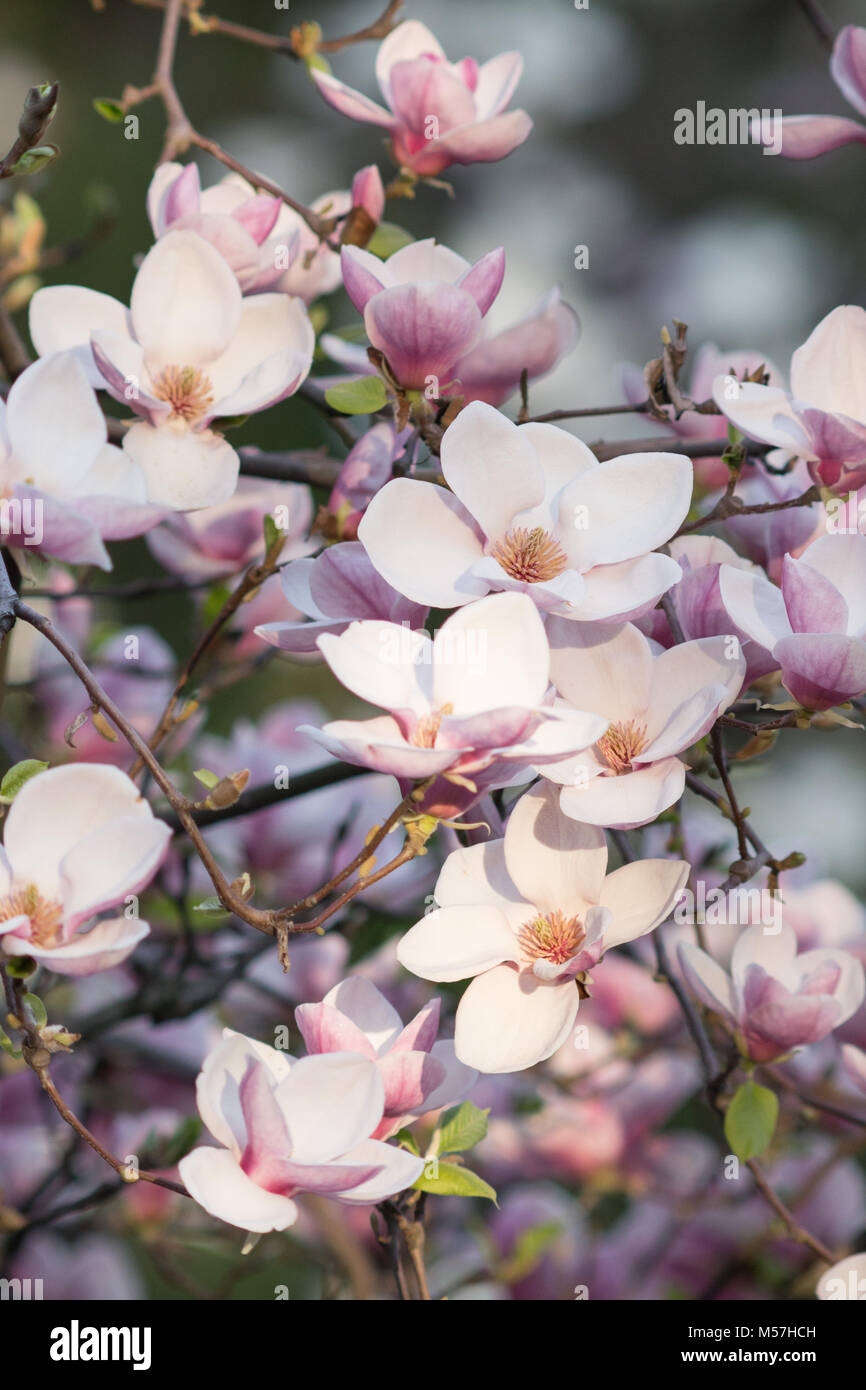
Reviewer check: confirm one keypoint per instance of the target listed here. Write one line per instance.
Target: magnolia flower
(286, 1127)
(467, 708)
(77, 839)
(337, 588)
(527, 916)
(236, 221)
(815, 625)
(64, 489)
(775, 999)
(823, 417)
(531, 510)
(697, 601)
(226, 538)
(656, 706)
(423, 307)
(491, 370)
(439, 113)
(804, 137)
(847, 1278)
(190, 349)
(420, 1074)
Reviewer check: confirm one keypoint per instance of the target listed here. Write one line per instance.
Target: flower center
(621, 744)
(46, 916)
(530, 555)
(555, 937)
(426, 731)
(187, 390)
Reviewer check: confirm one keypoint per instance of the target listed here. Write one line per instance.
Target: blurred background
(749, 250)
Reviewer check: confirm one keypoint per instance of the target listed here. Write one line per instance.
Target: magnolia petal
(453, 943)
(509, 1020)
(215, 1180)
(556, 864)
(184, 470)
(640, 895)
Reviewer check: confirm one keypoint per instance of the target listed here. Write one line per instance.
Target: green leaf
(33, 160)
(17, 775)
(750, 1120)
(406, 1140)
(109, 110)
(8, 1046)
(529, 1247)
(462, 1128)
(37, 1008)
(207, 779)
(454, 1181)
(216, 597)
(387, 239)
(362, 396)
(272, 532)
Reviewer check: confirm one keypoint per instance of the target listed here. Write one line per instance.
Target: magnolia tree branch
(38, 1057)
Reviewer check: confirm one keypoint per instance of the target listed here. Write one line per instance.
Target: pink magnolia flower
(190, 349)
(366, 468)
(226, 538)
(491, 370)
(64, 489)
(525, 916)
(656, 706)
(423, 307)
(439, 113)
(236, 221)
(767, 537)
(815, 624)
(698, 603)
(77, 839)
(775, 999)
(287, 1127)
(420, 1074)
(823, 417)
(531, 510)
(804, 137)
(337, 588)
(467, 708)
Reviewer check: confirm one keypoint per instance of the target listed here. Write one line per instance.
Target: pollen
(426, 731)
(187, 390)
(46, 915)
(555, 938)
(531, 555)
(621, 745)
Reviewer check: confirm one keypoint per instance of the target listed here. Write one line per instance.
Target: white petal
(491, 655)
(54, 423)
(214, 1179)
(601, 668)
(640, 895)
(186, 304)
(331, 1102)
(453, 943)
(183, 469)
(490, 464)
(63, 317)
(509, 1020)
(707, 979)
(754, 605)
(400, 1170)
(360, 1000)
(556, 864)
(423, 542)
